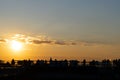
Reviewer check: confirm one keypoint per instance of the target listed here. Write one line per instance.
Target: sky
(62, 28)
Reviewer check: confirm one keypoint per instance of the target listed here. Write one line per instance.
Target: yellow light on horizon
(16, 46)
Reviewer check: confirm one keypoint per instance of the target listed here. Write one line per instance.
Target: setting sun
(16, 46)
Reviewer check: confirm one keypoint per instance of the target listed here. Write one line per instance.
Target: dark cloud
(73, 43)
(60, 43)
(2, 40)
(41, 42)
(65, 43)
(53, 42)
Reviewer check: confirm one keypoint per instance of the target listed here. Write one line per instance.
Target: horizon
(60, 28)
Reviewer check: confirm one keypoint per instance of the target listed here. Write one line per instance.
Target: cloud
(41, 42)
(65, 43)
(39, 39)
(73, 43)
(53, 42)
(92, 43)
(2, 40)
(60, 43)
(42, 39)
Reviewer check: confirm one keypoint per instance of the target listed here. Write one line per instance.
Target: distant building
(73, 63)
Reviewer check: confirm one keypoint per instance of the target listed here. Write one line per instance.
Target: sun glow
(16, 46)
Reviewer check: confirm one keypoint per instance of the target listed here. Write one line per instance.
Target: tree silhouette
(13, 62)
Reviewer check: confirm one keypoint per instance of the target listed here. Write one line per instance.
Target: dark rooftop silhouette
(60, 69)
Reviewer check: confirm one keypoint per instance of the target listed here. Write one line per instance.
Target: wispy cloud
(42, 39)
(41, 42)
(65, 43)
(92, 43)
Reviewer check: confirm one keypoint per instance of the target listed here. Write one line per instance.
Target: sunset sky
(72, 29)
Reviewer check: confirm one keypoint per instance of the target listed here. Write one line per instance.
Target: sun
(16, 46)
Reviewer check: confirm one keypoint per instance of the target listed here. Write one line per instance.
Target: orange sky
(60, 28)
(39, 47)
